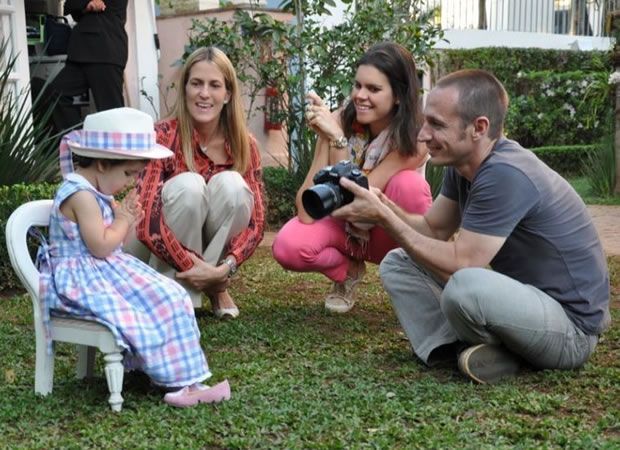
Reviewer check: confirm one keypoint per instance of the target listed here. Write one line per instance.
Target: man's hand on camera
(366, 207)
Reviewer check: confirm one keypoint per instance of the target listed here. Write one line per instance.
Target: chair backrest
(31, 214)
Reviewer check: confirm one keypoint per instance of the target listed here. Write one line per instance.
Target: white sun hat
(120, 133)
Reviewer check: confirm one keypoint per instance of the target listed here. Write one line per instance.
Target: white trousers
(203, 216)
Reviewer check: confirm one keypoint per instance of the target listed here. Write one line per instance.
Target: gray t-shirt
(551, 241)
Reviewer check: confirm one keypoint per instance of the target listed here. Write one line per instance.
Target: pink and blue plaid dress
(151, 316)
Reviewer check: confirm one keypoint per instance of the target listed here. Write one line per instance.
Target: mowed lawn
(304, 378)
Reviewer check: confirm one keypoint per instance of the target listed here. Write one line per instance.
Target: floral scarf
(367, 154)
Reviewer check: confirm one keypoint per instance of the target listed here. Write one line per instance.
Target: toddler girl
(85, 272)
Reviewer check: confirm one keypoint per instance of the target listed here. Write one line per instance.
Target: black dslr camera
(327, 194)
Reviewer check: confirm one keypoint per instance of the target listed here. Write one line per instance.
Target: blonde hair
(232, 119)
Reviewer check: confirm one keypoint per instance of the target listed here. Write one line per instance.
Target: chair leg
(114, 372)
(86, 361)
(44, 368)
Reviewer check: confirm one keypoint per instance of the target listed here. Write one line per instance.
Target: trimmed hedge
(567, 160)
(505, 62)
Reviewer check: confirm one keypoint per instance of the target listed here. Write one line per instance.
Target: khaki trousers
(479, 306)
(203, 216)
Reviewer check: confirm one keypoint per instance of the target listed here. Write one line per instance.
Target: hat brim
(155, 152)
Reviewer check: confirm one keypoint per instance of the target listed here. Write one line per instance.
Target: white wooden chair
(86, 334)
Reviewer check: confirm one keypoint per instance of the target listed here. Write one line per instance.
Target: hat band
(106, 140)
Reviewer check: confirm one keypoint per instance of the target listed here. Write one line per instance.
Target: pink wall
(173, 36)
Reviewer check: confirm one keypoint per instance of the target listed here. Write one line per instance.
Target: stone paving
(607, 222)
(606, 219)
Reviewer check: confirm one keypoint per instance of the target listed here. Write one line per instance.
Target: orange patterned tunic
(154, 232)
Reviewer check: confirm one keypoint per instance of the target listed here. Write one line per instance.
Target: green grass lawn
(303, 378)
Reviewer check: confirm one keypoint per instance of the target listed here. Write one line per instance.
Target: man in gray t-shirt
(545, 297)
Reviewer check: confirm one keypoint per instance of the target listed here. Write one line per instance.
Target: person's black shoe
(445, 356)
(487, 363)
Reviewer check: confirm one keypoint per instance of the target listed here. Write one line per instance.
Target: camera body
(327, 195)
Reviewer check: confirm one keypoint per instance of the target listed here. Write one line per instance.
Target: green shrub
(280, 189)
(567, 160)
(559, 108)
(557, 97)
(28, 148)
(600, 168)
(10, 198)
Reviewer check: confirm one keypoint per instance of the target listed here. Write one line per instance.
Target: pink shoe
(198, 393)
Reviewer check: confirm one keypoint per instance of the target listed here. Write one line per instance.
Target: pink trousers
(321, 245)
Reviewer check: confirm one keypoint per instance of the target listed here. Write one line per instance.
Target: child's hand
(129, 208)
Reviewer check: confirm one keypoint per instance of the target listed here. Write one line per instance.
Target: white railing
(576, 17)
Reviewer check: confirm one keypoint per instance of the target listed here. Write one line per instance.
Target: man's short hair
(480, 94)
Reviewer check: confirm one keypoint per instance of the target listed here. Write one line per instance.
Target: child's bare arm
(99, 239)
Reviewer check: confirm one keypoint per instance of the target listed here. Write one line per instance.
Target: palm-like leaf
(28, 148)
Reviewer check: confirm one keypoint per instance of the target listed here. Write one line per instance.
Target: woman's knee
(230, 198)
(231, 188)
(183, 192)
(297, 246)
(285, 247)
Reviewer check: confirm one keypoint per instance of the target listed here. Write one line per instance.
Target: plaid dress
(151, 316)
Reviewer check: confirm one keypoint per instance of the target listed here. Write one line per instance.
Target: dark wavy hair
(85, 161)
(396, 63)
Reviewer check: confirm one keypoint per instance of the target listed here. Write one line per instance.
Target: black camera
(327, 194)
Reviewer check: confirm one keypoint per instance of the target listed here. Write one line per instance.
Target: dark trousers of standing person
(104, 80)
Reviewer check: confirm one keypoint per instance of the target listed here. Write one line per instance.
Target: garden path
(606, 219)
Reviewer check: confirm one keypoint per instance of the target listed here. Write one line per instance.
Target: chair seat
(83, 332)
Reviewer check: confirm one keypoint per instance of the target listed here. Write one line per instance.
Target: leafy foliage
(559, 108)
(293, 57)
(27, 146)
(600, 167)
(281, 189)
(434, 176)
(556, 98)
(504, 62)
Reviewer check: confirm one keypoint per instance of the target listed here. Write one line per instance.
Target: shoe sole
(338, 310)
(226, 313)
(488, 364)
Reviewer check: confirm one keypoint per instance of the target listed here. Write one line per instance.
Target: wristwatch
(232, 265)
(340, 143)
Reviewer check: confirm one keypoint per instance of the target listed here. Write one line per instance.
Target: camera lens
(321, 200)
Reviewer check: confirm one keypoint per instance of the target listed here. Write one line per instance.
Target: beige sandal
(342, 296)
